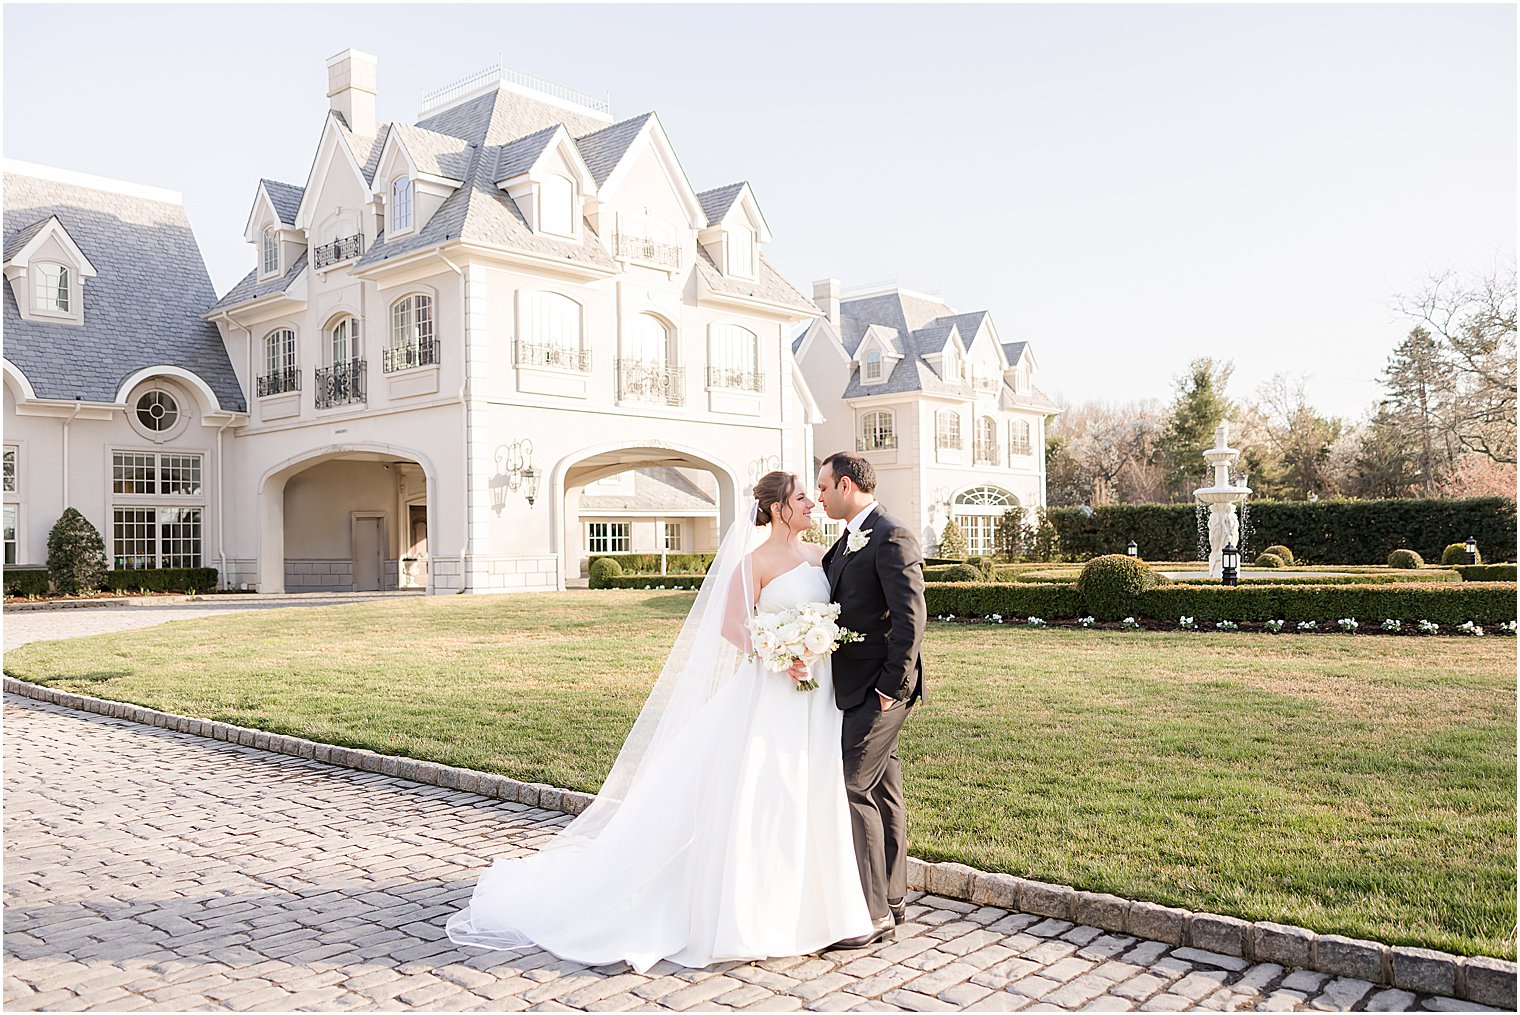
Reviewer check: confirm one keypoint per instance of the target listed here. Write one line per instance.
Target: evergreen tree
(76, 554)
(1009, 536)
(952, 542)
(1418, 379)
(1199, 407)
(1385, 462)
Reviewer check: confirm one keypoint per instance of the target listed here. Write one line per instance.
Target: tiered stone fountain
(1224, 525)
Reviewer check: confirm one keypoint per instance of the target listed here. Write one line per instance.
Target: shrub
(1281, 551)
(1110, 584)
(952, 542)
(962, 573)
(815, 535)
(1406, 559)
(935, 561)
(1486, 572)
(1270, 560)
(76, 554)
(668, 581)
(162, 579)
(1456, 553)
(986, 565)
(649, 563)
(603, 568)
(29, 581)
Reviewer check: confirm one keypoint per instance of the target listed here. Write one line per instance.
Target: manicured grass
(1361, 786)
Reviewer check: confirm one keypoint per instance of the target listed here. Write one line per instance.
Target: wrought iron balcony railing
(743, 380)
(340, 383)
(651, 382)
(1021, 448)
(421, 353)
(281, 380)
(985, 453)
(548, 354)
(641, 249)
(876, 442)
(948, 441)
(345, 248)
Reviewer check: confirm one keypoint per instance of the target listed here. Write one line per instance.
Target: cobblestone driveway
(150, 869)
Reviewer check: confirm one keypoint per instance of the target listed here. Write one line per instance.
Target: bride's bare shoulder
(814, 553)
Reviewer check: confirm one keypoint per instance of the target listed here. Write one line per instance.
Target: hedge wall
(27, 581)
(1486, 572)
(163, 579)
(649, 563)
(1318, 532)
(1448, 603)
(640, 581)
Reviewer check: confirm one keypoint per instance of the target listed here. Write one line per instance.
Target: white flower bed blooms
(1347, 624)
(1468, 627)
(1186, 623)
(1393, 625)
(1227, 625)
(1035, 622)
(1427, 627)
(996, 618)
(1131, 624)
(1275, 626)
(1090, 621)
(1308, 625)
(1508, 627)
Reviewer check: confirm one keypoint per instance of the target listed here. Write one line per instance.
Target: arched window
(986, 441)
(343, 340)
(157, 411)
(271, 252)
(551, 333)
(650, 341)
(556, 206)
(878, 431)
(401, 205)
(1019, 438)
(280, 372)
(976, 512)
(735, 357)
(412, 342)
(872, 370)
(52, 288)
(741, 252)
(947, 429)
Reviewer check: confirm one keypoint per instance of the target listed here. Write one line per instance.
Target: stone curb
(1481, 979)
(81, 604)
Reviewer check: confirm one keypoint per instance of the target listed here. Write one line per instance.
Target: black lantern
(1472, 550)
(1230, 556)
(1134, 550)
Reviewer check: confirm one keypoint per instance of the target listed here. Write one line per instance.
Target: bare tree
(1300, 438)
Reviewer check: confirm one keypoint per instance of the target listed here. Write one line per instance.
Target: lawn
(1353, 785)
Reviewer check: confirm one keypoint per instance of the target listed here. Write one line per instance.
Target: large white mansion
(471, 351)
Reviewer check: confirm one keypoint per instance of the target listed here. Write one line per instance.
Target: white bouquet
(807, 632)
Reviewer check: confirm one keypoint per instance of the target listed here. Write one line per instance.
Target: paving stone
(1348, 957)
(1158, 923)
(1490, 981)
(1423, 970)
(1078, 992)
(1287, 946)
(1340, 994)
(1140, 988)
(1208, 958)
(1224, 935)
(1391, 999)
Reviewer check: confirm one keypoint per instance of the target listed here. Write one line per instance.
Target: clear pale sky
(1124, 187)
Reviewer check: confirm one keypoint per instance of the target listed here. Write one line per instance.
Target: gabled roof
(770, 287)
(660, 488)
(1013, 350)
(143, 309)
(14, 243)
(366, 149)
(517, 157)
(923, 325)
(250, 288)
(433, 154)
(604, 149)
(717, 202)
(888, 337)
(285, 197)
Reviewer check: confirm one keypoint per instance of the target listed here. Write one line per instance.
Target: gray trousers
(873, 785)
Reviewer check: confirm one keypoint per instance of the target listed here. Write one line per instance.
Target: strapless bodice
(805, 583)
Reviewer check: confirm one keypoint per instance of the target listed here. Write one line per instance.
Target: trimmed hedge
(1320, 532)
(1486, 572)
(1387, 578)
(1270, 560)
(1405, 559)
(26, 581)
(649, 563)
(960, 573)
(163, 579)
(601, 569)
(643, 581)
(1110, 584)
(1282, 551)
(1456, 553)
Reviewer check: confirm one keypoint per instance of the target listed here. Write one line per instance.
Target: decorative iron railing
(948, 441)
(985, 453)
(421, 353)
(876, 442)
(343, 249)
(547, 354)
(651, 382)
(441, 97)
(642, 249)
(278, 381)
(743, 380)
(1021, 448)
(340, 383)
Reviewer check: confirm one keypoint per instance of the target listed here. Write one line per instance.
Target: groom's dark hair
(848, 463)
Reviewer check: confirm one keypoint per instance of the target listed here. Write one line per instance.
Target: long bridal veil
(702, 661)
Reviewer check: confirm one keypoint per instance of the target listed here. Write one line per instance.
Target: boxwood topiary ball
(962, 573)
(1109, 585)
(601, 569)
(1281, 551)
(1456, 553)
(1406, 559)
(1270, 559)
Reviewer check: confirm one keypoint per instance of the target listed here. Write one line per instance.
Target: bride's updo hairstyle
(774, 488)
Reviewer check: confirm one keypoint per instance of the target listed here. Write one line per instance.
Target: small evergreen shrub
(1281, 551)
(76, 554)
(649, 563)
(601, 569)
(1270, 560)
(29, 581)
(1406, 559)
(1486, 572)
(1109, 585)
(162, 579)
(986, 565)
(962, 573)
(952, 542)
(1456, 553)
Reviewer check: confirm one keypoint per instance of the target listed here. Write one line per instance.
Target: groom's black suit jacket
(880, 592)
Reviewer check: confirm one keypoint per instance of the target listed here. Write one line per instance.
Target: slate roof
(504, 115)
(142, 309)
(1013, 350)
(286, 198)
(250, 288)
(604, 149)
(517, 157)
(770, 287)
(366, 149)
(662, 488)
(433, 153)
(14, 243)
(717, 202)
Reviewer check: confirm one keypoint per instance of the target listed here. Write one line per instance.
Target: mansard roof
(505, 114)
(250, 288)
(659, 488)
(142, 309)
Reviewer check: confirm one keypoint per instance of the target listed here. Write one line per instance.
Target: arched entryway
(664, 506)
(348, 519)
(976, 511)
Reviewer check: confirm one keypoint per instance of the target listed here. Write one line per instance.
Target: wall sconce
(760, 466)
(514, 473)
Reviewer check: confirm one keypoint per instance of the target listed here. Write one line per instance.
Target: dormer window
(52, 289)
(741, 252)
(271, 252)
(401, 205)
(872, 370)
(556, 206)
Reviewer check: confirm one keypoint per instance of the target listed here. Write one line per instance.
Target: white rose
(818, 641)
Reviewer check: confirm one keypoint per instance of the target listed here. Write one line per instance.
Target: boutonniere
(857, 541)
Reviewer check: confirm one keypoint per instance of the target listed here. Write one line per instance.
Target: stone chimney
(351, 90)
(826, 295)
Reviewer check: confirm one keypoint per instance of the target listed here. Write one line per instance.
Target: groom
(876, 575)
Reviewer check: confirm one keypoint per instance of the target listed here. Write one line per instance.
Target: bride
(722, 831)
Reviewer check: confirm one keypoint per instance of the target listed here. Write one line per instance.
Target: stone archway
(353, 522)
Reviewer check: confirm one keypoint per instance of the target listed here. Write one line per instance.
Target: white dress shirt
(860, 519)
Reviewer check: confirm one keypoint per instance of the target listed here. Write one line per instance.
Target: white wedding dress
(735, 842)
